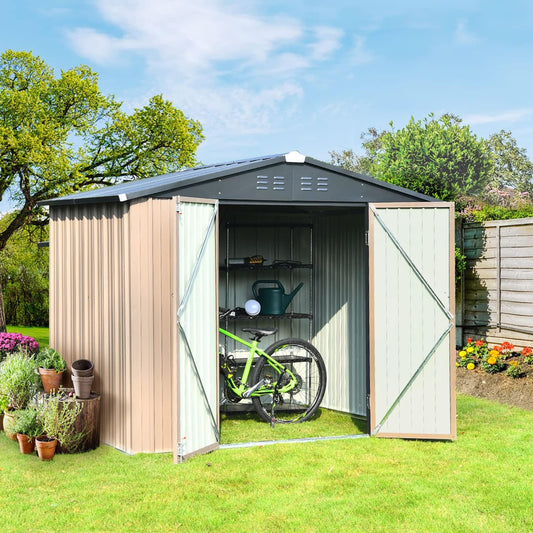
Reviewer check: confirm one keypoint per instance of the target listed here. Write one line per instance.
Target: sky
(268, 77)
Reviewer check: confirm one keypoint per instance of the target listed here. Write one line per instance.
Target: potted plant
(19, 384)
(27, 427)
(51, 368)
(58, 414)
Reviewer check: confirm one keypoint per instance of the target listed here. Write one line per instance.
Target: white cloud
(328, 40)
(507, 116)
(463, 35)
(360, 55)
(225, 64)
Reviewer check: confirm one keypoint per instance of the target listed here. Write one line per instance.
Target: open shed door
(197, 347)
(411, 298)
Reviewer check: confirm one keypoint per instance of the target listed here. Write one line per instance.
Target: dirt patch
(497, 387)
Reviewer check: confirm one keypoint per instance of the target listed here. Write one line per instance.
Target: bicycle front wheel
(301, 403)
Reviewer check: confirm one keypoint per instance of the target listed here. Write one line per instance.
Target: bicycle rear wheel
(299, 404)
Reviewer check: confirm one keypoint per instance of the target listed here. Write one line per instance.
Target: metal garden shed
(138, 270)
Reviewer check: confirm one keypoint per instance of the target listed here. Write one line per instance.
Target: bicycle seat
(258, 333)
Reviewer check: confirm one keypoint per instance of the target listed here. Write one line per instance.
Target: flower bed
(499, 358)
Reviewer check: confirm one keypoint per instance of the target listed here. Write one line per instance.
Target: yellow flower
(514, 363)
(491, 360)
(462, 353)
(470, 349)
(494, 353)
(456, 364)
(470, 366)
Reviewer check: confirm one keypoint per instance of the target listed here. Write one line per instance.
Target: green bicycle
(286, 382)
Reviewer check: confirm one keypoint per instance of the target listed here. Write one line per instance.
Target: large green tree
(512, 167)
(60, 134)
(24, 275)
(439, 157)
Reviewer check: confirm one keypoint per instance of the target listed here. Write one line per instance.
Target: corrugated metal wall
(340, 310)
(407, 322)
(111, 298)
(497, 292)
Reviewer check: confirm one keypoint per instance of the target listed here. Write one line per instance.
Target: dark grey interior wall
(334, 290)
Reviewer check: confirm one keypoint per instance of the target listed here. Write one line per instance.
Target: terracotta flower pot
(27, 444)
(51, 379)
(9, 422)
(46, 447)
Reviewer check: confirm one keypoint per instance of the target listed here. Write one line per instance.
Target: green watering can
(273, 300)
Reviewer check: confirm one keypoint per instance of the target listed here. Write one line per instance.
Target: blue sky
(266, 77)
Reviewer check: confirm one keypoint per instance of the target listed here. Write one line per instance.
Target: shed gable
(293, 183)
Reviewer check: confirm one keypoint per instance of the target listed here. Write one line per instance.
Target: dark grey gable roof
(286, 178)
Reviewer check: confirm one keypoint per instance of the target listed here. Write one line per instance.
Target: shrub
(19, 380)
(58, 415)
(27, 423)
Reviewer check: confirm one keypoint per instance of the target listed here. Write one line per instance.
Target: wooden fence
(495, 297)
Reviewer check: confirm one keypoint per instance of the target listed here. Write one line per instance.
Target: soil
(497, 387)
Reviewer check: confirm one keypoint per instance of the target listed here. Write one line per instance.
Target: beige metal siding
(340, 310)
(111, 302)
(498, 283)
(198, 332)
(407, 322)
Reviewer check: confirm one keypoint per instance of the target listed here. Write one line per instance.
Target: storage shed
(138, 271)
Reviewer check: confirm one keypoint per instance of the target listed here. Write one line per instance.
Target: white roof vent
(294, 157)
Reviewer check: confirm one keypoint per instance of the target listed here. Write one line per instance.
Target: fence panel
(495, 299)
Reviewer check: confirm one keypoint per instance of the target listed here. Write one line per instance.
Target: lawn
(39, 334)
(481, 482)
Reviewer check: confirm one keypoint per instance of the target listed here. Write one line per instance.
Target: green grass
(39, 334)
(481, 482)
(248, 427)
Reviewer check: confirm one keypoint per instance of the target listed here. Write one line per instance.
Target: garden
(497, 372)
(35, 409)
(480, 482)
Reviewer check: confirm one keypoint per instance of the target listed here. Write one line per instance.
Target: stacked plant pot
(82, 377)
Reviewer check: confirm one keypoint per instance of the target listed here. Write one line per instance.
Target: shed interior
(322, 247)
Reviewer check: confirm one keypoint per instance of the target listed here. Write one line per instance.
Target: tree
(60, 135)
(440, 157)
(24, 275)
(512, 167)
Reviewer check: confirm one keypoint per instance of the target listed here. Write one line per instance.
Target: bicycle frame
(241, 389)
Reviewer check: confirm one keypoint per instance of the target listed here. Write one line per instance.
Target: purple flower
(11, 342)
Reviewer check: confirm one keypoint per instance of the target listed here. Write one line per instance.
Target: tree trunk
(2, 312)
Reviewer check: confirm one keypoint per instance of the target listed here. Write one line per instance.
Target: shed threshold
(289, 441)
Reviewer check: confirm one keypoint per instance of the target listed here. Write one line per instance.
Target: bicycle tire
(300, 404)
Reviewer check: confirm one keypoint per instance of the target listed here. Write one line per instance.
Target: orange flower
(479, 343)
(469, 340)
(491, 360)
(514, 363)
(497, 349)
(526, 351)
(507, 346)
(494, 353)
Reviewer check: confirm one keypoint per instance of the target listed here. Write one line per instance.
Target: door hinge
(368, 401)
(366, 238)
